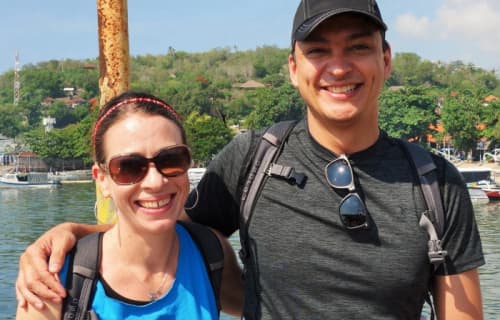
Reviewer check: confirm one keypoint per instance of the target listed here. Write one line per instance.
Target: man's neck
(344, 138)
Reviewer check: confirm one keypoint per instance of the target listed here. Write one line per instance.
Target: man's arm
(36, 278)
(458, 296)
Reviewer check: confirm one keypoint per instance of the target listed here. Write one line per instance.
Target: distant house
(250, 84)
(29, 161)
(490, 98)
(396, 88)
(70, 102)
(69, 91)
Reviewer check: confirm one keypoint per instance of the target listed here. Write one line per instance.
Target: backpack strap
(268, 149)
(262, 166)
(212, 252)
(432, 220)
(82, 278)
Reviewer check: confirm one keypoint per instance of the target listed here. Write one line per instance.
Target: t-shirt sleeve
(461, 238)
(216, 200)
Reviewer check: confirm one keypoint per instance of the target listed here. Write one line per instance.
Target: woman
(150, 266)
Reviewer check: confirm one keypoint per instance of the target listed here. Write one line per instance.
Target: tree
(11, 120)
(461, 119)
(271, 105)
(407, 113)
(206, 136)
(63, 115)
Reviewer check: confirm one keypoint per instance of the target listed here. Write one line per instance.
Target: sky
(436, 30)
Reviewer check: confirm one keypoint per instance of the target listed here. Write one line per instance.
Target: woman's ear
(99, 176)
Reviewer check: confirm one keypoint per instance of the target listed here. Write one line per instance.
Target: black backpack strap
(262, 166)
(268, 149)
(433, 220)
(212, 252)
(82, 278)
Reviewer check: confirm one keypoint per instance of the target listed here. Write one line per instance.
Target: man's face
(340, 70)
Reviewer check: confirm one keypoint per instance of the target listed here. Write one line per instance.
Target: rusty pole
(114, 57)
(114, 78)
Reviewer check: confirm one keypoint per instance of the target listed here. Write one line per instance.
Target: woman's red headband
(129, 101)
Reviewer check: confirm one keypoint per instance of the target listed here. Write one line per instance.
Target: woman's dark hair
(118, 107)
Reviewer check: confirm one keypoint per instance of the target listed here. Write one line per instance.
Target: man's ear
(99, 176)
(292, 70)
(387, 61)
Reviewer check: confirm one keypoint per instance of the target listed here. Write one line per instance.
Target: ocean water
(27, 213)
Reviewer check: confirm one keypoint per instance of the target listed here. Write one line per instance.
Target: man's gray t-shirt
(310, 266)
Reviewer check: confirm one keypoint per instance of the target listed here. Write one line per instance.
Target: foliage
(408, 112)
(206, 136)
(273, 105)
(461, 120)
(204, 89)
(11, 120)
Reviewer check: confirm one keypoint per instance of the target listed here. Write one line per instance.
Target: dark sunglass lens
(173, 162)
(128, 169)
(339, 174)
(353, 212)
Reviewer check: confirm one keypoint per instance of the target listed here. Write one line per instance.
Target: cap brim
(304, 30)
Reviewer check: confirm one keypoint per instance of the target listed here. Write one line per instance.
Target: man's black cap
(311, 13)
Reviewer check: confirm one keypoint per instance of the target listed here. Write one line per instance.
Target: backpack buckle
(287, 173)
(436, 252)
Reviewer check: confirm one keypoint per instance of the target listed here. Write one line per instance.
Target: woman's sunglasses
(352, 209)
(132, 168)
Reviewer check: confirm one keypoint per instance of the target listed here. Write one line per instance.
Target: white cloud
(476, 23)
(470, 27)
(409, 25)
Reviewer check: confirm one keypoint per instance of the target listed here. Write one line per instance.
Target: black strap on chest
(84, 269)
(432, 220)
(263, 166)
(82, 278)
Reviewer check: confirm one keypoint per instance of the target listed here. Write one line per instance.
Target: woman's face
(155, 202)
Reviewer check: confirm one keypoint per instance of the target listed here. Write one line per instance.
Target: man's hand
(36, 278)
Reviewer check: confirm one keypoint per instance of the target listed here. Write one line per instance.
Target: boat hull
(32, 179)
(493, 194)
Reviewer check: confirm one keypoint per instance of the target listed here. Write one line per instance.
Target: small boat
(493, 194)
(27, 179)
(477, 179)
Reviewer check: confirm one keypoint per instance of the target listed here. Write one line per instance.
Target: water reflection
(488, 220)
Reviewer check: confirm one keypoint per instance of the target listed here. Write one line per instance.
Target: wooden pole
(114, 57)
(114, 66)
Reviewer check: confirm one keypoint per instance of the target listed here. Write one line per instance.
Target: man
(312, 260)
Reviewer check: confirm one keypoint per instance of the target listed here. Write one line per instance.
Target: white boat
(28, 179)
(477, 179)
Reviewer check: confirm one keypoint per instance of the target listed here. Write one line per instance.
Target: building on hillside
(250, 84)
